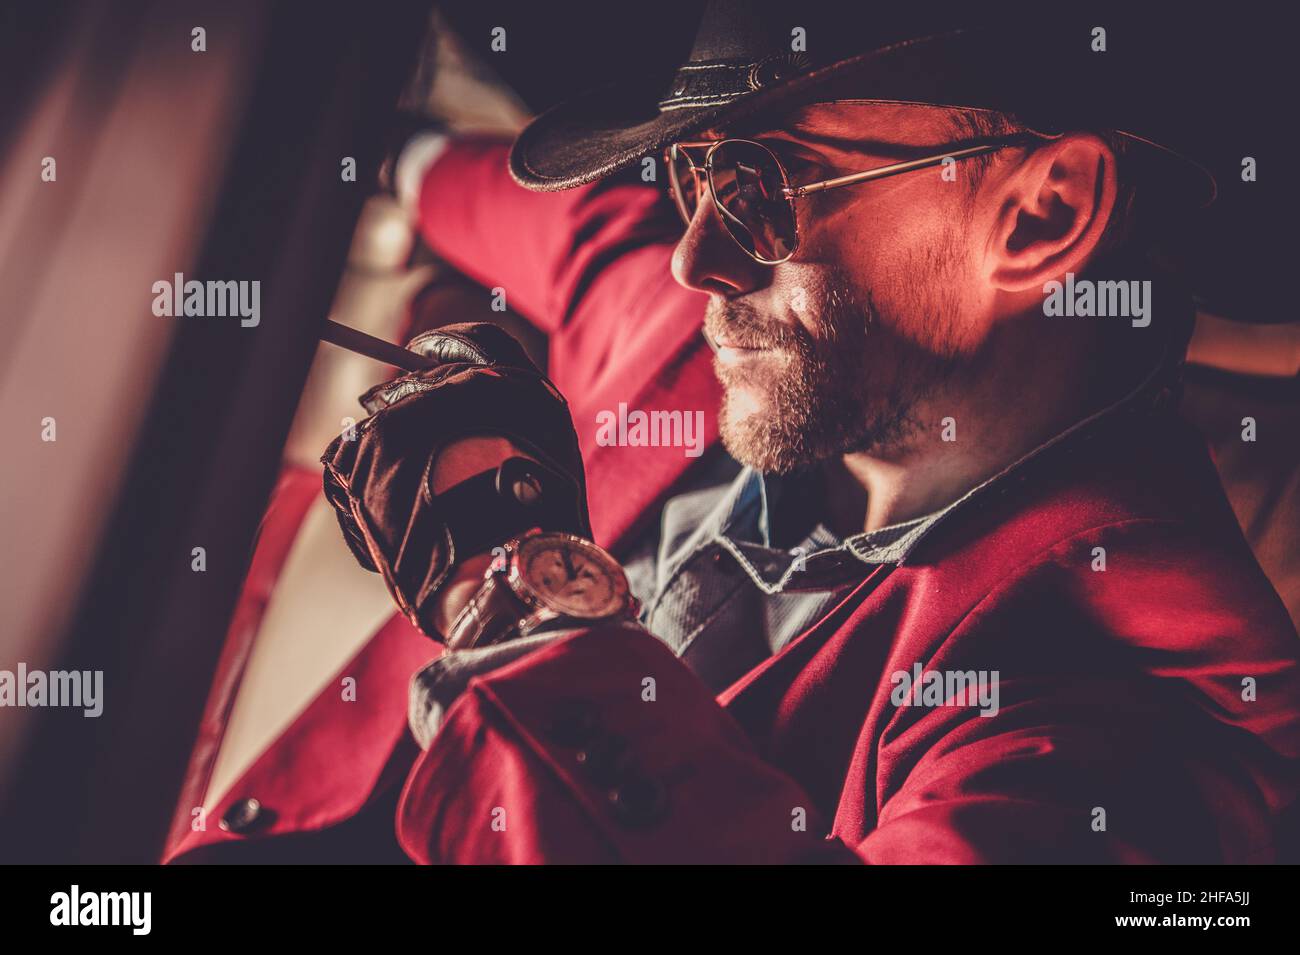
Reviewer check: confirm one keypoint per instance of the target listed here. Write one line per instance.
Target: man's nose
(708, 259)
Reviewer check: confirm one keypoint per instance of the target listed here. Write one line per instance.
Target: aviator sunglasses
(752, 194)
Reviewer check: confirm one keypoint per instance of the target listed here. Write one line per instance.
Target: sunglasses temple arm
(796, 192)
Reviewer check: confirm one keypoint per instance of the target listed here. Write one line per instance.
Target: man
(978, 595)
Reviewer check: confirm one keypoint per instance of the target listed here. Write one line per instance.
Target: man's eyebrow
(844, 143)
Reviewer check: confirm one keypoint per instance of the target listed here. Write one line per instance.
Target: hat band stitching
(718, 99)
(714, 83)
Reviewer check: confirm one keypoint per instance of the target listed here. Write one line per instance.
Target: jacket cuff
(439, 684)
(599, 747)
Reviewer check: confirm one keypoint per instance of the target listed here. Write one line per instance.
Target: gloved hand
(379, 481)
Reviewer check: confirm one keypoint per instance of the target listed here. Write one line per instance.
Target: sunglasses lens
(748, 185)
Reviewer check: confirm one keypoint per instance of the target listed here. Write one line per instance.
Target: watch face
(572, 576)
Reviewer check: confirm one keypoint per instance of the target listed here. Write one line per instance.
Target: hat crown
(744, 46)
(748, 30)
(741, 46)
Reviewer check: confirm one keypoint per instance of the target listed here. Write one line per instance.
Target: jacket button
(605, 760)
(639, 802)
(242, 815)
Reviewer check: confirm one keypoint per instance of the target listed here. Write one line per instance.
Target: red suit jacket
(1149, 711)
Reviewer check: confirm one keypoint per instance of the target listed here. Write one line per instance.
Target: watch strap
(487, 618)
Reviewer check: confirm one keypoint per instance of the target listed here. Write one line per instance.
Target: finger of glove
(468, 400)
(386, 524)
(475, 343)
(337, 496)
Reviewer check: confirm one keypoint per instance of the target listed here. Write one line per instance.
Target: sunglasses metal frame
(791, 193)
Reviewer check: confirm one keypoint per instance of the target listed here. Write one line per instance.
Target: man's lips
(729, 353)
(730, 344)
(737, 343)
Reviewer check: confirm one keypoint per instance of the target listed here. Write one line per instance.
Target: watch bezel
(486, 619)
(539, 604)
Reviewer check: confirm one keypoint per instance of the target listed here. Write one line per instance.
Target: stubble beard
(848, 385)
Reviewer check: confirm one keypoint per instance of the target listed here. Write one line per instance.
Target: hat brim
(611, 128)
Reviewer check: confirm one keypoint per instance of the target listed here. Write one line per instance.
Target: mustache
(739, 324)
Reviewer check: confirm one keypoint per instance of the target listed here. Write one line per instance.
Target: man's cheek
(801, 297)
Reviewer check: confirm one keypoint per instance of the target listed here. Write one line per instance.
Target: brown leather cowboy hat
(752, 58)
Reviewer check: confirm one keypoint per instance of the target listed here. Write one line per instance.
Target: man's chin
(777, 432)
(755, 436)
(743, 401)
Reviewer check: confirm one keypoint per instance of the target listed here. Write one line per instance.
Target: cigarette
(376, 348)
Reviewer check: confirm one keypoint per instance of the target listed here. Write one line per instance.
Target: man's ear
(1051, 212)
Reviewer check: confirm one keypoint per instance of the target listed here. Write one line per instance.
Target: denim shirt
(729, 578)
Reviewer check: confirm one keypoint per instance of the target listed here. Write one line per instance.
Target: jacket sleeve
(589, 266)
(602, 747)
(605, 748)
(544, 248)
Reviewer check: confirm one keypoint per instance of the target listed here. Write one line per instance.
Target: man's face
(830, 352)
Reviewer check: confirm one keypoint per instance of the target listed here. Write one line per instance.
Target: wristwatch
(537, 578)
